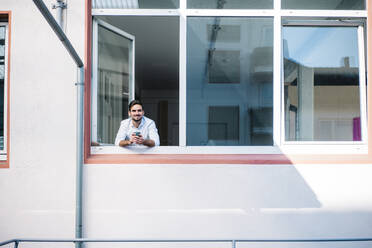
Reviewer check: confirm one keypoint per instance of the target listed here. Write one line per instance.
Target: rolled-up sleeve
(121, 134)
(153, 133)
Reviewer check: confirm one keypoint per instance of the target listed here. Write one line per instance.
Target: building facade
(261, 108)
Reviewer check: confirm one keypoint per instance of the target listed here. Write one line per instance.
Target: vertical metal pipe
(79, 156)
(59, 16)
(80, 115)
(59, 7)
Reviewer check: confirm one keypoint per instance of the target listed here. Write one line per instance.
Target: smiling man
(137, 130)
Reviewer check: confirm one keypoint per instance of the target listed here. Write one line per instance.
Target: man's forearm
(125, 143)
(149, 143)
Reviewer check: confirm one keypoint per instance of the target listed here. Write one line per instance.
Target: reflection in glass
(229, 81)
(324, 4)
(321, 84)
(230, 4)
(135, 4)
(113, 83)
(2, 84)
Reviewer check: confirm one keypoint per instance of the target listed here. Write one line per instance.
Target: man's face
(136, 112)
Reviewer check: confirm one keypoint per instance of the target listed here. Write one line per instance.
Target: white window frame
(278, 147)
(94, 80)
(298, 145)
(3, 152)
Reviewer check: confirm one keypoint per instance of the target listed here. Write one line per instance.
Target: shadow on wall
(244, 188)
(198, 201)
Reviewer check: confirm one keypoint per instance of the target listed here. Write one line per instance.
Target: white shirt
(147, 128)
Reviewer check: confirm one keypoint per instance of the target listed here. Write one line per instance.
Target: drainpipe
(79, 156)
(80, 115)
(59, 6)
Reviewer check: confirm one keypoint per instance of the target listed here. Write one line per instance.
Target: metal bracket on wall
(59, 7)
(60, 4)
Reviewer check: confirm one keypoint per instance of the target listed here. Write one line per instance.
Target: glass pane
(229, 81)
(113, 83)
(230, 4)
(324, 4)
(135, 4)
(2, 84)
(321, 84)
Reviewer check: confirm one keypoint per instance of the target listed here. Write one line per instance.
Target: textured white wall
(37, 192)
(228, 201)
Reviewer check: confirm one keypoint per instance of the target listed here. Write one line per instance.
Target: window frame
(4, 154)
(279, 148)
(94, 82)
(362, 85)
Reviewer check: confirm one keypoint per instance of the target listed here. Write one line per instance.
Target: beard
(136, 118)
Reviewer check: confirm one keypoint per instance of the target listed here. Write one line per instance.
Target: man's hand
(139, 140)
(136, 139)
(133, 138)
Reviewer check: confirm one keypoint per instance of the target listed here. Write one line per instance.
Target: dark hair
(134, 102)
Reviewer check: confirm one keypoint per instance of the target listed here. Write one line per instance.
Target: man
(137, 130)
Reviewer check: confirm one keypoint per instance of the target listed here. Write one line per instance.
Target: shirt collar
(140, 125)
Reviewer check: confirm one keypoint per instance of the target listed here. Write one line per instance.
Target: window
(114, 81)
(135, 4)
(4, 37)
(321, 4)
(230, 4)
(136, 57)
(323, 83)
(229, 63)
(2, 85)
(232, 76)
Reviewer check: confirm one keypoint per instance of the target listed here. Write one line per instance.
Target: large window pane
(321, 84)
(135, 4)
(2, 84)
(324, 4)
(230, 4)
(229, 81)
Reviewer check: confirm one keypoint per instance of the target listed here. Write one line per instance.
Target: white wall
(37, 192)
(228, 201)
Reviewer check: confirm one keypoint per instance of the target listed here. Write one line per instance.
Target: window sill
(3, 157)
(303, 148)
(4, 163)
(289, 154)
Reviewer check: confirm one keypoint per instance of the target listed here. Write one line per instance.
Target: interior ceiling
(156, 49)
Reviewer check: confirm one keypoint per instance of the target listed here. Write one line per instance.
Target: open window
(113, 80)
(135, 57)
